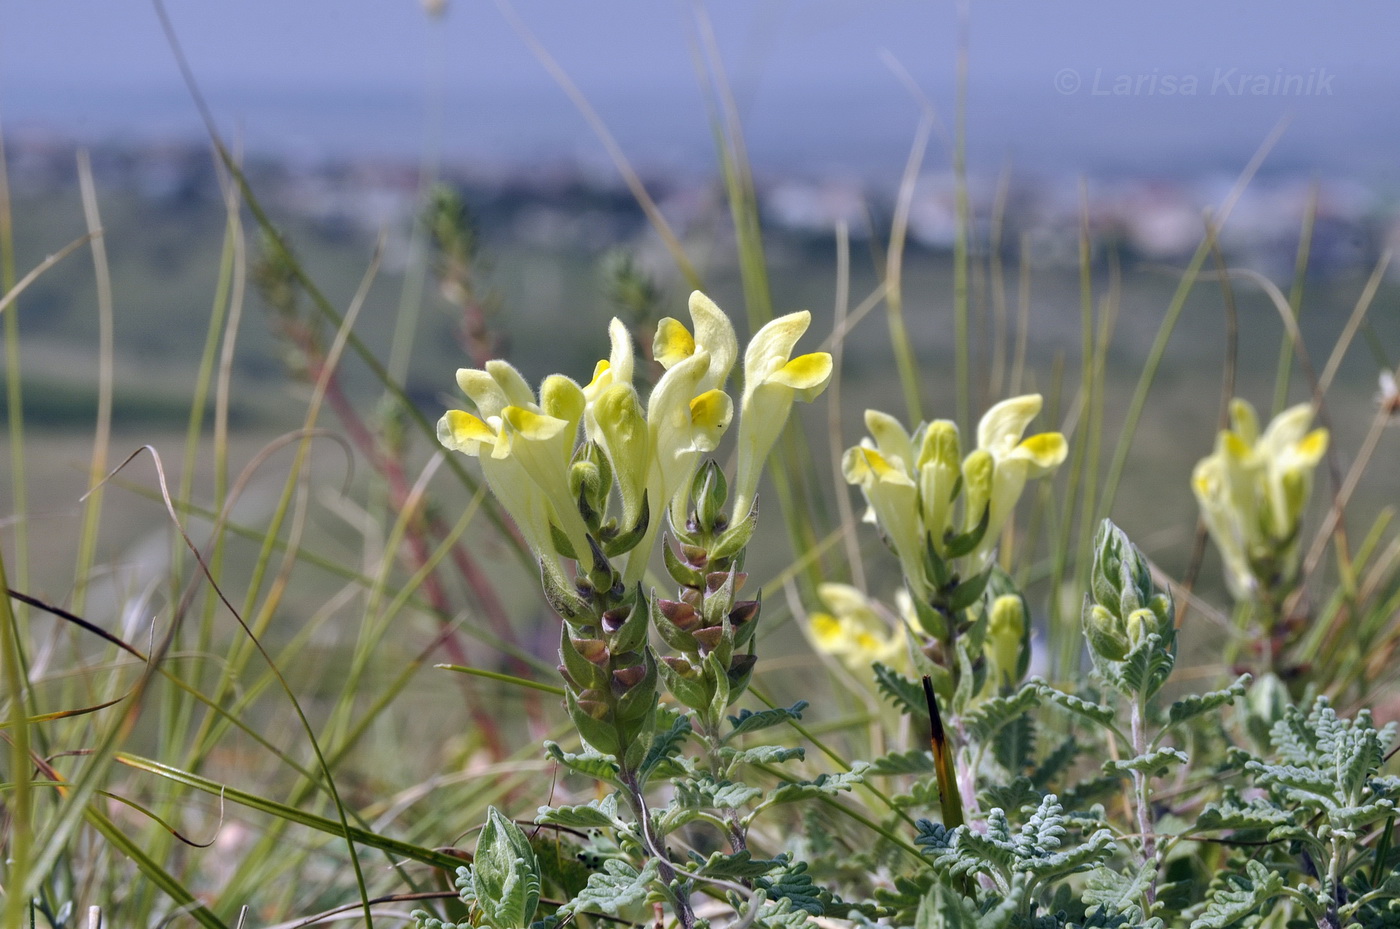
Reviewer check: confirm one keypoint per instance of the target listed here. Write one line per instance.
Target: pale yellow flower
(1253, 490)
(1015, 460)
(524, 446)
(854, 630)
(773, 379)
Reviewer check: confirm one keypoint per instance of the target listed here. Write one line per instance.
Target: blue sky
(1085, 84)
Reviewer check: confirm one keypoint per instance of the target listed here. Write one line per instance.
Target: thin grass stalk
(1295, 298)
(962, 227)
(600, 129)
(97, 469)
(846, 516)
(900, 344)
(1354, 323)
(19, 801)
(14, 381)
(1173, 314)
(996, 377)
(792, 477)
(1075, 424)
(1023, 319)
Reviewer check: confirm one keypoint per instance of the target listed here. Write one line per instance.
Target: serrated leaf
(617, 887)
(1113, 892)
(1017, 795)
(915, 761)
(1055, 763)
(1151, 764)
(738, 866)
(590, 764)
(906, 695)
(795, 885)
(989, 716)
(665, 745)
(596, 814)
(1196, 704)
(748, 721)
(706, 792)
(828, 784)
(1218, 816)
(763, 754)
(1239, 896)
(1099, 713)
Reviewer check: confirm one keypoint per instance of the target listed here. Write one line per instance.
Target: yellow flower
(611, 371)
(1014, 460)
(772, 380)
(688, 411)
(714, 333)
(524, 447)
(854, 630)
(893, 505)
(1253, 490)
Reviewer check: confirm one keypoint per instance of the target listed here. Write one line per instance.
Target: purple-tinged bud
(614, 619)
(681, 615)
(716, 579)
(695, 556)
(709, 638)
(624, 679)
(744, 611)
(681, 667)
(593, 650)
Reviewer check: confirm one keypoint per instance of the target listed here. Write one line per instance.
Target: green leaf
(906, 695)
(666, 745)
(1239, 896)
(1099, 713)
(505, 877)
(748, 721)
(1055, 763)
(1152, 764)
(914, 761)
(1194, 705)
(596, 814)
(825, 784)
(1114, 892)
(589, 764)
(614, 889)
(763, 754)
(738, 866)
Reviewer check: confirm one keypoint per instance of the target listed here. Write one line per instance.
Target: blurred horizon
(823, 88)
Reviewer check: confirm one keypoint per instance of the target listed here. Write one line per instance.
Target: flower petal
(460, 431)
(806, 374)
(673, 342)
(1042, 452)
(771, 347)
(710, 414)
(715, 334)
(1003, 425)
(891, 439)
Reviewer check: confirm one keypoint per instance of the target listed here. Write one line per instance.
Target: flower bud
(939, 469)
(710, 492)
(977, 472)
(1104, 633)
(1006, 636)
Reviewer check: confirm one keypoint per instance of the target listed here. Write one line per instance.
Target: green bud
(1104, 633)
(977, 473)
(505, 874)
(1141, 624)
(623, 434)
(1006, 637)
(938, 475)
(710, 492)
